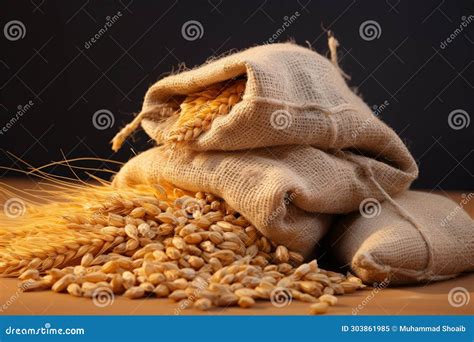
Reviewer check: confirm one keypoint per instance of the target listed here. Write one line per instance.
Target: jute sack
(258, 185)
(293, 96)
(299, 144)
(419, 237)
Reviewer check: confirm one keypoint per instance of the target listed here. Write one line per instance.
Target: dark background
(406, 66)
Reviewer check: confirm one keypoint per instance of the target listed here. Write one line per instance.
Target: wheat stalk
(159, 240)
(198, 110)
(162, 241)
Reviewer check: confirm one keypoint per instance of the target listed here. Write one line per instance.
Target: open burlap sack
(298, 133)
(423, 237)
(293, 96)
(259, 185)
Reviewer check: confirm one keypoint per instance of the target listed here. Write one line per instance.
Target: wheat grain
(63, 283)
(327, 298)
(134, 292)
(74, 290)
(203, 304)
(246, 302)
(198, 252)
(198, 110)
(161, 291)
(319, 308)
(29, 274)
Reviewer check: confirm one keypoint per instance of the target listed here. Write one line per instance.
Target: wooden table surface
(426, 299)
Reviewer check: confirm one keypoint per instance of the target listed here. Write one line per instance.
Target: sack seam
(387, 269)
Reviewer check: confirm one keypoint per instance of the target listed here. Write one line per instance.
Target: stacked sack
(297, 149)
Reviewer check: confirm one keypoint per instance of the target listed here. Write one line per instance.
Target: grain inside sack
(279, 135)
(267, 144)
(153, 239)
(287, 147)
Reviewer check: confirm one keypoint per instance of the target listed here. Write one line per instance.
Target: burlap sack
(424, 237)
(299, 133)
(293, 96)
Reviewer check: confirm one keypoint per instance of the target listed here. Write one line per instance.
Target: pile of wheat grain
(156, 240)
(147, 241)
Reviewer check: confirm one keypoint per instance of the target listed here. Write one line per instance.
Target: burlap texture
(284, 191)
(298, 133)
(439, 244)
(293, 96)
